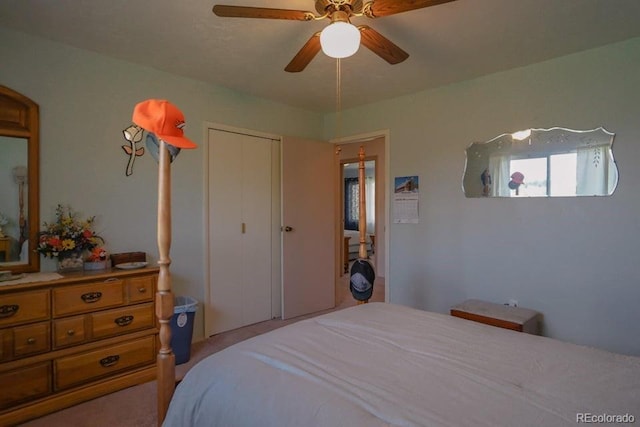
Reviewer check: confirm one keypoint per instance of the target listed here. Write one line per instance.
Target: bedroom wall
(86, 100)
(573, 259)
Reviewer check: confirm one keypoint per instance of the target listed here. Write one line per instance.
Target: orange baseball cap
(164, 119)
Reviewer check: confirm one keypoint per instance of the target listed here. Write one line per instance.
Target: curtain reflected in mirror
(352, 196)
(555, 162)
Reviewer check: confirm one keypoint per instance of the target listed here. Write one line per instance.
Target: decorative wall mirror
(555, 162)
(19, 180)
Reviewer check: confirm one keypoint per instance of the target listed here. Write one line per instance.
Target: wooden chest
(503, 316)
(73, 339)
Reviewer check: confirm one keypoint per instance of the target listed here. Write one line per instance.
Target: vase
(70, 261)
(95, 265)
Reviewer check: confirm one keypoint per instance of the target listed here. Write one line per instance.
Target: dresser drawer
(31, 339)
(140, 289)
(24, 307)
(80, 368)
(122, 320)
(89, 297)
(24, 384)
(6, 343)
(68, 331)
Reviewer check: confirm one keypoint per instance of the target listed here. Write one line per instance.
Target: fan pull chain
(338, 99)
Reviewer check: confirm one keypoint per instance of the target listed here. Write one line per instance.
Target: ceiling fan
(330, 40)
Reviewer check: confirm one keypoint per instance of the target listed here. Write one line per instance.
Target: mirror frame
(20, 117)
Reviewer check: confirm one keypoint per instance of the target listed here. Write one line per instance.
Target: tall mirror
(555, 162)
(19, 179)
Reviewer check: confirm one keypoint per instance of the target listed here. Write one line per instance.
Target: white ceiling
(447, 43)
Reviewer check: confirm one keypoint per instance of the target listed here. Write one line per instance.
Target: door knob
(288, 229)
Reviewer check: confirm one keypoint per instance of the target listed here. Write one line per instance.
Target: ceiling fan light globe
(340, 40)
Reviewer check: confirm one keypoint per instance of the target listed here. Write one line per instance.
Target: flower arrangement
(67, 235)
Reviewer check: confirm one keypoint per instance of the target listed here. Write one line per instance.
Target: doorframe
(341, 198)
(276, 253)
(354, 139)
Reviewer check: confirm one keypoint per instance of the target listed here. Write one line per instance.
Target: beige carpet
(137, 407)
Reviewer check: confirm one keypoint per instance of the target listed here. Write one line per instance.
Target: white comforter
(381, 364)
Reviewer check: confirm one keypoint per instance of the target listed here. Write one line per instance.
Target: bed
(381, 364)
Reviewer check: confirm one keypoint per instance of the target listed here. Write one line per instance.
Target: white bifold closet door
(240, 230)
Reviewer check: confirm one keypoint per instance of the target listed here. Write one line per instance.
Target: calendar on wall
(405, 199)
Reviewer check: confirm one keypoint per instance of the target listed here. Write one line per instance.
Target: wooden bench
(500, 315)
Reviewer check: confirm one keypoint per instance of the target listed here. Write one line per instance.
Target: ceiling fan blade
(261, 12)
(305, 55)
(381, 46)
(391, 7)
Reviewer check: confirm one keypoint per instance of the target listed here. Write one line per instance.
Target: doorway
(376, 151)
(350, 198)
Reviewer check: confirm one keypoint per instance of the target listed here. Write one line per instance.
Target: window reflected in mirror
(555, 162)
(352, 196)
(13, 210)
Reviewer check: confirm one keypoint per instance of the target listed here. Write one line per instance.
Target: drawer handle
(142, 290)
(8, 310)
(123, 320)
(91, 297)
(31, 340)
(109, 361)
(71, 332)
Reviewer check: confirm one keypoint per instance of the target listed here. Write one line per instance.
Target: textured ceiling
(447, 43)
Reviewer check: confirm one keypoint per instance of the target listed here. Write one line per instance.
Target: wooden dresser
(69, 340)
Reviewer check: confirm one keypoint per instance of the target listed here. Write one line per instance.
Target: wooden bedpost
(362, 208)
(166, 360)
(362, 219)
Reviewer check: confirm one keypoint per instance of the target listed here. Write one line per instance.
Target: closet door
(256, 239)
(239, 230)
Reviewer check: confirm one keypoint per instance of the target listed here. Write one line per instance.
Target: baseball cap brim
(361, 296)
(178, 141)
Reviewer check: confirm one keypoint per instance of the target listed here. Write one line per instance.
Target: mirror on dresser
(19, 179)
